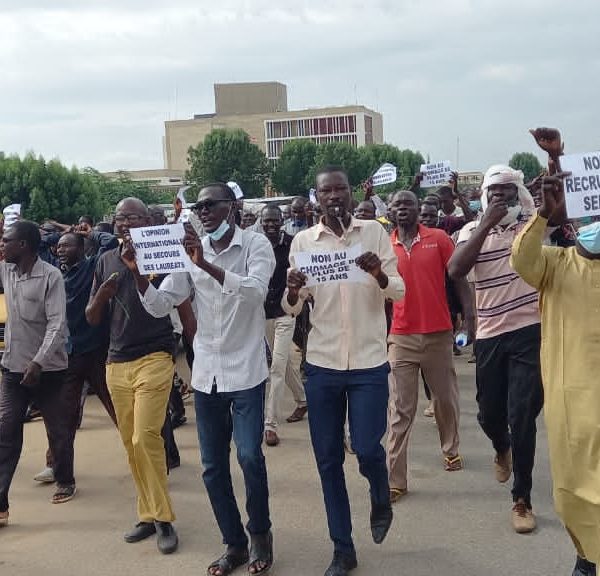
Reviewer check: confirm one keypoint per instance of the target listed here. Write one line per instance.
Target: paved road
(450, 524)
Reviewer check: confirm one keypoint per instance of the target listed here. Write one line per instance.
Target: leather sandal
(226, 564)
(261, 552)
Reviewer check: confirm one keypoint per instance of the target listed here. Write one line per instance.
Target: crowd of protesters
(500, 267)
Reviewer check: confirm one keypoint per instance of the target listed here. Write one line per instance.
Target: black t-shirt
(278, 281)
(133, 332)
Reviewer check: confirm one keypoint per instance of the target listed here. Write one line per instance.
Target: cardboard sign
(159, 249)
(387, 174)
(11, 214)
(436, 174)
(582, 188)
(324, 267)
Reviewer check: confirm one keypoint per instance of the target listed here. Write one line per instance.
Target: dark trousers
(510, 396)
(171, 450)
(219, 416)
(365, 394)
(14, 399)
(88, 367)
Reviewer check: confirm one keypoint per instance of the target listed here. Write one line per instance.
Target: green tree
(113, 190)
(229, 155)
(47, 189)
(338, 154)
(406, 161)
(528, 163)
(296, 161)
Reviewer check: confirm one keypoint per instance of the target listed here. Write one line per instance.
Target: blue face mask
(219, 232)
(298, 223)
(475, 205)
(589, 238)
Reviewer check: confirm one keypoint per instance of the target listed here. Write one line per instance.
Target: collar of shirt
(321, 228)
(235, 241)
(37, 271)
(422, 232)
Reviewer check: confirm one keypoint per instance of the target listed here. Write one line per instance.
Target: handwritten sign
(323, 267)
(386, 174)
(582, 187)
(436, 174)
(159, 249)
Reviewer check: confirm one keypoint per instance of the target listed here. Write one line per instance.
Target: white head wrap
(500, 174)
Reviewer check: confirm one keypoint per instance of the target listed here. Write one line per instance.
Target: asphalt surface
(450, 523)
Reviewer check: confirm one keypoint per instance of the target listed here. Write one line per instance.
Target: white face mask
(513, 213)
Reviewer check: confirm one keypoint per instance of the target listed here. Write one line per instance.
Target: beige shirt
(37, 318)
(349, 329)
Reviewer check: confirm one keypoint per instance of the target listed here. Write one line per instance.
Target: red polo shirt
(424, 308)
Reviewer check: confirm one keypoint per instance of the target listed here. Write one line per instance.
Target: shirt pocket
(31, 301)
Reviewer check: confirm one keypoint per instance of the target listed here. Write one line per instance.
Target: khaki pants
(279, 332)
(140, 392)
(432, 353)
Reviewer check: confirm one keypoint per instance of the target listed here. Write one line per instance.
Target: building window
(368, 130)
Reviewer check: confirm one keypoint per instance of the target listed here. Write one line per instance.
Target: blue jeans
(220, 415)
(365, 394)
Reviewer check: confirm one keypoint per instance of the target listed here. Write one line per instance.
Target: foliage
(295, 162)
(338, 154)
(47, 189)
(528, 163)
(112, 190)
(294, 172)
(226, 155)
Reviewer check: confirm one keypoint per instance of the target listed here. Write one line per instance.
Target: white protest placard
(181, 196)
(338, 266)
(436, 174)
(11, 214)
(582, 187)
(159, 249)
(239, 194)
(380, 207)
(386, 174)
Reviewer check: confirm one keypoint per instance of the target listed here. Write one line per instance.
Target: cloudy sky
(92, 82)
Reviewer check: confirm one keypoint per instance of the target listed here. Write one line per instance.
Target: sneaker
(503, 466)
(523, 520)
(3, 519)
(46, 476)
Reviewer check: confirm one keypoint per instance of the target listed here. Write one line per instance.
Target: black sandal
(226, 564)
(261, 551)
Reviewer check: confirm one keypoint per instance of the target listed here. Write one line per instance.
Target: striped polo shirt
(504, 301)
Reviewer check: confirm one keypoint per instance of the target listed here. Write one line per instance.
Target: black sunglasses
(207, 205)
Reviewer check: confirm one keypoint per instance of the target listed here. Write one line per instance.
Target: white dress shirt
(349, 329)
(229, 347)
